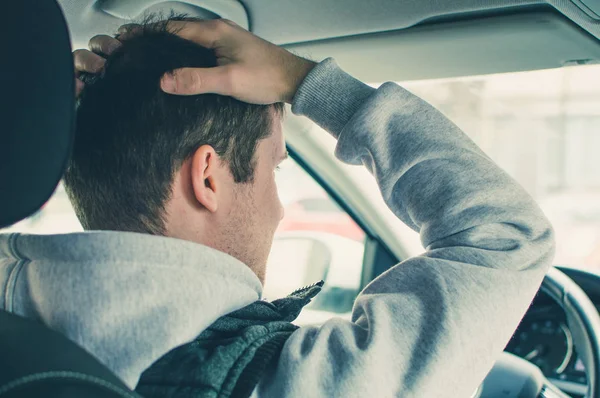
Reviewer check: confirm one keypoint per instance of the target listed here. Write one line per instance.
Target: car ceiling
(395, 39)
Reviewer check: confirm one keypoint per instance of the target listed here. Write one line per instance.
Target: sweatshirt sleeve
(433, 325)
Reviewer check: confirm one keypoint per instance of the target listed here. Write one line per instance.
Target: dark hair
(131, 138)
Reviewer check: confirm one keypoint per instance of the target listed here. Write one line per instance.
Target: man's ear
(204, 173)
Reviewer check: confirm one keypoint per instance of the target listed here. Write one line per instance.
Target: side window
(55, 217)
(316, 240)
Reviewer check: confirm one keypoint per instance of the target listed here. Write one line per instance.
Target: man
(197, 168)
(431, 326)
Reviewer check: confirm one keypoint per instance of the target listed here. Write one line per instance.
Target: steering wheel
(526, 379)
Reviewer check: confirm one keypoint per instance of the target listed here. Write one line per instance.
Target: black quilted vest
(229, 358)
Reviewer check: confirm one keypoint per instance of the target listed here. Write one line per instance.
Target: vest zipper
(308, 287)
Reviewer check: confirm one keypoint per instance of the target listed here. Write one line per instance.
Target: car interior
(520, 77)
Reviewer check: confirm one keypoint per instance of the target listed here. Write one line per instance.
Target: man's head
(199, 168)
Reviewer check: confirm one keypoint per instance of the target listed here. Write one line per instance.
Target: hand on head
(249, 68)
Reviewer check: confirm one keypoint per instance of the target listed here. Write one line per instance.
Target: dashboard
(544, 339)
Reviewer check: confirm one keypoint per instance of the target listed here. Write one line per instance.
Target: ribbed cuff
(330, 97)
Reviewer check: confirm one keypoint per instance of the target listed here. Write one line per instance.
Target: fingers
(103, 44)
(192, 81)
(128, 30)
(87, 61)
(229, 22)
(206, 33)
(202, 32)
(78, 87)
(128, 27)
(92, 61)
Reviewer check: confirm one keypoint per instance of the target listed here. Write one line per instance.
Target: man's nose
(282, 211)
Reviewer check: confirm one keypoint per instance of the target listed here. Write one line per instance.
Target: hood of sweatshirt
(126, 298)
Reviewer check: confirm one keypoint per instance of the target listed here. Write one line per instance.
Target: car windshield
(541, 127)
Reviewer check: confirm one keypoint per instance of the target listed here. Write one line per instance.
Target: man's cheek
(279, 205)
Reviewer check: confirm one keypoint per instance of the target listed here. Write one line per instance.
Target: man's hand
(91, 61)
(249, 68)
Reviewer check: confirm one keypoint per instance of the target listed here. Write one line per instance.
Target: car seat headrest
(37, 106)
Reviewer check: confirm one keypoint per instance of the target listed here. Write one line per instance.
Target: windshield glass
(543, 128)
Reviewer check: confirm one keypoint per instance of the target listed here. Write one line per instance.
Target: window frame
(377, 257)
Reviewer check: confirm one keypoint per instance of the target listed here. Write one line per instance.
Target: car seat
(37, 118)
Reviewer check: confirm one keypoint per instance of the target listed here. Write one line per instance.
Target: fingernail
(168, 84)
(113, 45)
(99, 64)
(127, 28)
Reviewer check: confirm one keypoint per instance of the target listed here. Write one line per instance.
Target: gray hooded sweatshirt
(431, 326)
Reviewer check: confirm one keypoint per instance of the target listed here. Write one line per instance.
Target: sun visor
(473, 46)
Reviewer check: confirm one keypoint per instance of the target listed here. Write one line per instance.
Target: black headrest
(37, 105)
